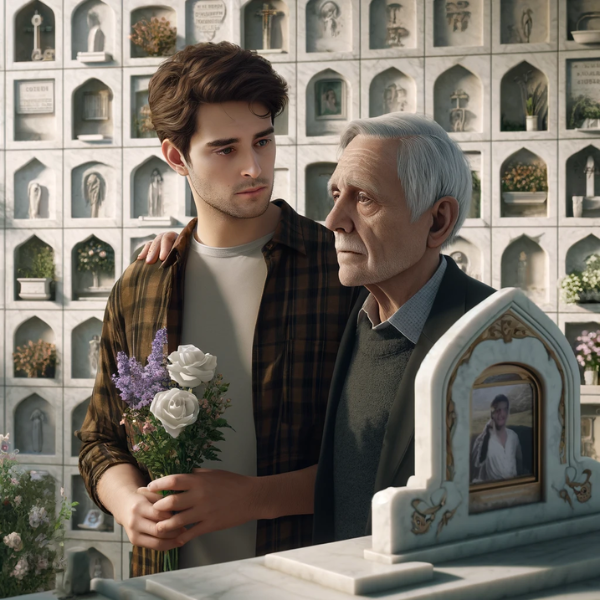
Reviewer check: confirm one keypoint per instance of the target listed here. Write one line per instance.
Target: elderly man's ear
(159, 247)
(444, 215)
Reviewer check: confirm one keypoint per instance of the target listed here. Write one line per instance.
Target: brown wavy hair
(209, 73)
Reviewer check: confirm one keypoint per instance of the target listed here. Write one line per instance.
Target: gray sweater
(378, 362)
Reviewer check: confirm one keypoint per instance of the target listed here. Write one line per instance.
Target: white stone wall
(349, 46)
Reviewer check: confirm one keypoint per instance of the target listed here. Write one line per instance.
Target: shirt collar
(410, 318)
(288, 232)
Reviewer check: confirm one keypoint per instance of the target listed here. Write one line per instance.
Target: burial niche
(35, 190)
(155, 46)
(34, 270)
(101, 565)
(524, 265)
(141, 123)
(583, 183)
(523, 22)
(35, 426)
(153, 192)
(583, 95)
(326, 103)
(318, 202)
(85, 349)
(524, 185)
(578, 253)
(572, 332)
(392, 91)
(524, 99)
(281, 184)
(457, 23)
(38, 361)
(392, 24)
(93, 32)
(93, 269)
(91, 191)
(329, 26)
(93, 112)
(457, 97)
(467, 257)
(583, 21)
(35, 33)
(474, 160)
(77, 418)
(89, 517)
(265, 24)
(34, 116)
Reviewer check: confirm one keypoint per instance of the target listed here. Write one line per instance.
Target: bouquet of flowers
(520, 177)
(588, 350)
(174, 430)
(31, 533)
(583, 286)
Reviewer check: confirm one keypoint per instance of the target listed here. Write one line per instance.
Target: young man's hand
(163, 242)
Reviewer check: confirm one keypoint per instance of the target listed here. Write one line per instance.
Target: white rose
(190, 366)
(175, 409)
(13, 541)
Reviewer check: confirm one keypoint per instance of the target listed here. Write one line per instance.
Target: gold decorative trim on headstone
(582, 491)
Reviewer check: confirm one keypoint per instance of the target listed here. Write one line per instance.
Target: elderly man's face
(374, 236)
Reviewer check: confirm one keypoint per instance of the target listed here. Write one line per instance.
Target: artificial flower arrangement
(31, 531)
(36, 359)
(520, 177)
(173, 429)
(583, 286)
(155, 37)
(588, 355)
(97, 257)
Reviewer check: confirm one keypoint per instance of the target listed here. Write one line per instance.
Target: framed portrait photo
(330, 99)
(505, 458)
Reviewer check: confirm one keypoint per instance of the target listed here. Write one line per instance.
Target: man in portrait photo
(496, 453)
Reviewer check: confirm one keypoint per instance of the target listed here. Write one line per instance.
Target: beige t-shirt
(223, 290)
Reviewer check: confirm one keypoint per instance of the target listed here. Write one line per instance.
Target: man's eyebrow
(355, 183)
(229, 141)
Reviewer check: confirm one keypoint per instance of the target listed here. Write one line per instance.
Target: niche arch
(327, 103)
(34, 172)
(392, 91)
(81, 22)
(146, 13)
(92, 111)
(35, 426)
(580, 251)
(24, 35)
(164, 187)
(77, 418)
(524, 265)
(578, 169)
(329, 26)
(91, 283)
(253, 31)
(33, 329)
(83, 347)
(318, 202)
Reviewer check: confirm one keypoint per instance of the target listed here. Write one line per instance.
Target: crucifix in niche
(267, 13)
(36, 54)
(458, 114)
(395, 31)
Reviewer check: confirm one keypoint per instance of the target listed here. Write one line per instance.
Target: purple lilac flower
(138, 385)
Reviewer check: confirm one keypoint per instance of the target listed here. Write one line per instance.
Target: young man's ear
(174, 157)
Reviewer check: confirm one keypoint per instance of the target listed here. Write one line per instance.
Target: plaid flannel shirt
(302, 315)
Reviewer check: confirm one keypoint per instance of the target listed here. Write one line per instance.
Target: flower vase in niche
(395, 31)
(582, 287)
(95, 42)
(266, 14)
(155, 216)
(37, 22)
(584, 33)
(95, 257)
(587, 353)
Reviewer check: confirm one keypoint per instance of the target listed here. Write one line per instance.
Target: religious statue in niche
(155, 206)
(34, 193)
(394, 98)
(36, 54)
(329, 96)
(93, 354)
(94, 188)
(395, 31)
(329, 13)
(95, 106)
(458, 114)
(37, 419)
(95, 42)
(588, 438)
(522, 271)
(461, 260)
(266, 14)
(526, 24)
(590, 201)
(457, 14)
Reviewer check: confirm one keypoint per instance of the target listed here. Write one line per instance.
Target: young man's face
(232, 159)
(500, 414)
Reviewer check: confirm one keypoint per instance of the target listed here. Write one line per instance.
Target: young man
(249, 281)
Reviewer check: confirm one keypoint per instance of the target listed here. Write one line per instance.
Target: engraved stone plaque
(208, 17)
(585, 79)
(35, 97)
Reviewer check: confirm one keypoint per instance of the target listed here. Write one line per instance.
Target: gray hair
(430, 164)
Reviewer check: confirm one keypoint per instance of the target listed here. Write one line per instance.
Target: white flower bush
(175, 409)
(190, 366)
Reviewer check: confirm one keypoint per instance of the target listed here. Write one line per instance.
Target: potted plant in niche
(95, 256)
(37, 272)
(36, 359)
(533, 98)
(585, 114)
(588, 355)
(580, 287)
(524, 184)
(155, 37)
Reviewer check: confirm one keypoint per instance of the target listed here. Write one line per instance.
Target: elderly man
(401, 192)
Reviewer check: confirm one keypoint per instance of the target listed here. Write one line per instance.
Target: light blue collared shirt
(410, 318)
